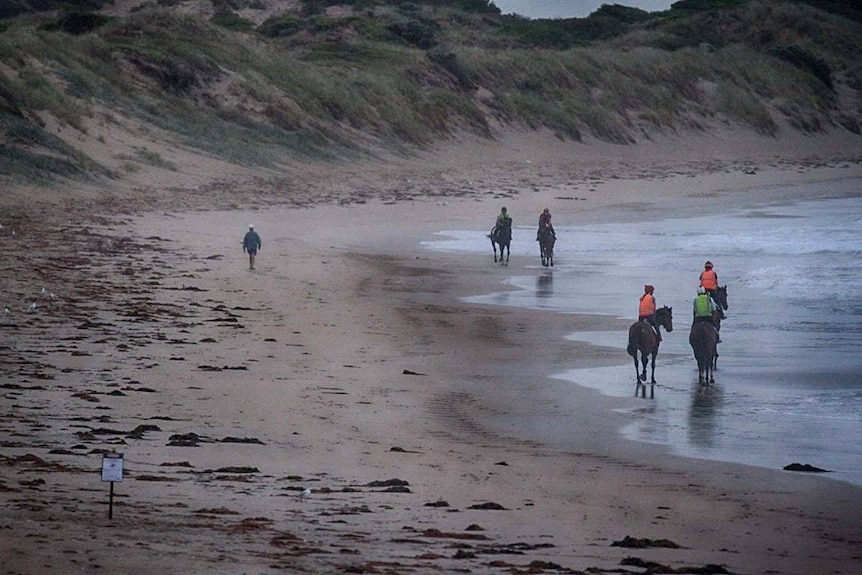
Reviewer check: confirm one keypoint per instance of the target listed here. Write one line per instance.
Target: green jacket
(703, 305)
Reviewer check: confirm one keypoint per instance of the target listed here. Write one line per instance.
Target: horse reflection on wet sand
(643, 340)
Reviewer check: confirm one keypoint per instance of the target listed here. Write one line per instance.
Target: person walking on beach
(646, 310)
(250, 244)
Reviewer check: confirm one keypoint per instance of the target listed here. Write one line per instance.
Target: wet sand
(348, 364)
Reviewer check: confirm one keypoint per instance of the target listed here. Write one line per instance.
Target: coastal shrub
(561, 34)
(743, 106)
(626, 14)
(805, 60)
(280, 26)
(152, 158)
(449, 62)
(415, 33)
(36, 167)
(77, 23)
(232, 21)
(704, 5)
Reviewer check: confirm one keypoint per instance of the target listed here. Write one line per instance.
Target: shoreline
(608, 381)
(348, 361)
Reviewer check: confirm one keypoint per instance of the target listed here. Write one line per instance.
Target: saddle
(649, 325)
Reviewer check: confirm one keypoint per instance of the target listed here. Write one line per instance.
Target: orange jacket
(647, 306)
(709, 279)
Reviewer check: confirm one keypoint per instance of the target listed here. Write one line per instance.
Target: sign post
(112, 471)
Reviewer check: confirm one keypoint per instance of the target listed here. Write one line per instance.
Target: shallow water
(789, 383)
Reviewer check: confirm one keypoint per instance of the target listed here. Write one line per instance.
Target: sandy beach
(348, 365)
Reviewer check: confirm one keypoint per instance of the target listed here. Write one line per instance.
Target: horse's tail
(631, 349)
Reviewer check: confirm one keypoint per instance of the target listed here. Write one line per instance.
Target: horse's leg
(652, 372)
(709, 369)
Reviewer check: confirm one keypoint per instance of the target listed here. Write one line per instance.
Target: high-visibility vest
(709, 279)
(702, 306)
(647, 306)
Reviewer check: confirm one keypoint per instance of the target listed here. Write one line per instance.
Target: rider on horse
(709, 282)
(504, 219)
(646, 310)
(704, 307)
(545, 221)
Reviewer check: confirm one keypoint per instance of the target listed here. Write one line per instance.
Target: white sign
(112, 466)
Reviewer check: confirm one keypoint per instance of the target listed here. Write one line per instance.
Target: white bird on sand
(32, 307)
(305, 493)
(6, 311)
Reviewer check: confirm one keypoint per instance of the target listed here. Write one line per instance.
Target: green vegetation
(334, 79)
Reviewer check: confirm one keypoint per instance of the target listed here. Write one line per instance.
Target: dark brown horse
(501, 235)
(720, 298)
(547, 239)
(703, 339)
(644, 340)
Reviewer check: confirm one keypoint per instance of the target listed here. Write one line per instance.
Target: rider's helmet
(251, 226)
(701, 290)
(708, 265)
(648, 289)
